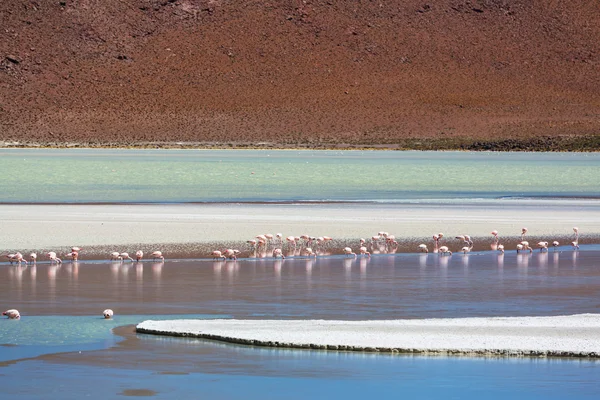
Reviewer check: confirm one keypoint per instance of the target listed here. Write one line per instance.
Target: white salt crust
(566, 336)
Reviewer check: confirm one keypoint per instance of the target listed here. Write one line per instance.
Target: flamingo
(124, 256)
(542, 246)
(495, 235)
(139, 255)
(252, 243)
(436, 241)
(231, 254)
(363, 251)
(261, 238)
(108, 313)
(114, 255)
(277, 253)
(575, 244)
(310, 253)
(526, 246)
(523, 232)
(444, 250)
(33, 258)
(279, 237)
(269, 237)
(555, 244)
(362, 241)
(75, 248)
(375, 239)
(391, 240)
(73, 255)
(501, 248)
(11, 257)
(348, 251)
(12, 314)
(157, 254)
(423, 248)
(217, 254)
(307, 239)
(52, 256)
(19, 258)
(519, 248)
(291, 240)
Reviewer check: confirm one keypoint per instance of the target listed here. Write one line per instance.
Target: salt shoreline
(50, 226)
(558, 336)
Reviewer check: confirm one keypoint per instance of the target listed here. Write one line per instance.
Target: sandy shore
(51, 226)
(573, 336)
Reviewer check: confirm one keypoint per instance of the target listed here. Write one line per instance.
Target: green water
(105, 176)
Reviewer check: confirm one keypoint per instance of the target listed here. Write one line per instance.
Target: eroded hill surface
(308, 73)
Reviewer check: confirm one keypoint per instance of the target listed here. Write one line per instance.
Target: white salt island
(557, 336)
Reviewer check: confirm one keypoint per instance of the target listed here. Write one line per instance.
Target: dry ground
(500, 74)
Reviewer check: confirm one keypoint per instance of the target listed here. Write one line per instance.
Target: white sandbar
(566, 336)
(45, 226)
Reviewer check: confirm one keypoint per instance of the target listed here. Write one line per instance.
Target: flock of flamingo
(304, 241)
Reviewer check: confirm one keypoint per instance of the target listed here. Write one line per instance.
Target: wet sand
(566, 336)
(184, 230)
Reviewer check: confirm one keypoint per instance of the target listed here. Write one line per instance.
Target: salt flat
(43, 226)
(573, 335)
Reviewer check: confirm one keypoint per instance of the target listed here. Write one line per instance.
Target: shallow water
(61, 308)
(62, 348)
(105, 176)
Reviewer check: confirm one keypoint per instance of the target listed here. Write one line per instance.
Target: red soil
(297, 72)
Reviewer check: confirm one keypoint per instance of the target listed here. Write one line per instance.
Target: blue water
(159, 176)
(63, 349)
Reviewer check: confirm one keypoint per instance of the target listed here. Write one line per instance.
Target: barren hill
(310, 73)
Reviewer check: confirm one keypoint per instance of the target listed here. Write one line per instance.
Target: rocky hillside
(300, 73)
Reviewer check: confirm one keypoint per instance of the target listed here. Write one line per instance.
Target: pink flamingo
(12, 314)
(157, 254)
(52, 256)
(523, 232)
(279, 238)
(436, 241)
(519, 248)
(75, 248)
(108, 313)
(19, 258)
(575, 243)
(364, 251)
(231, 254)
(291, 240)
(348, 251)
(310, 253)
(114, 255)
(444, 250)
(125, 256)
(555, 244)
(277, 253)
(11, 257)
(542, 246)
(73, 255)
(526, 246)
(217, 255)
(139, 255)
(501, 248)
(423, 248)
(33, 258)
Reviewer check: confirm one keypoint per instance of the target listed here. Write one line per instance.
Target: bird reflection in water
(423, 260)
(157, 268)
(139, 271)
(542, 259)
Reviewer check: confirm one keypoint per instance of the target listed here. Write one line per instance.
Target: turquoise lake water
(104, 176)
